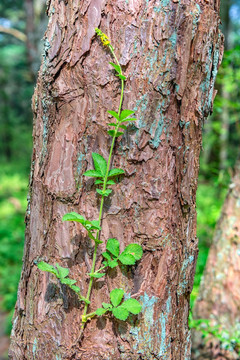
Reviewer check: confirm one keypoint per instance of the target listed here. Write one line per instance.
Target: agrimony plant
(104, 179)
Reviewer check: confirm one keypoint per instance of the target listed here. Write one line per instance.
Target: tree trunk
(170, 52)
(219, 297)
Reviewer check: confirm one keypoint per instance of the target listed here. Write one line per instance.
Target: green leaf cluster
(130, 255)
(120, 310)
(61, 273)
(121, 118)
(90, 226)
(100, 172)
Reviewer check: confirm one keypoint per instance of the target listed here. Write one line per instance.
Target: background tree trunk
(219, 296)
(225, 116)
(170, 52)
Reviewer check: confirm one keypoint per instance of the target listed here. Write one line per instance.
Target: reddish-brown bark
(170, 52)
(219, 295)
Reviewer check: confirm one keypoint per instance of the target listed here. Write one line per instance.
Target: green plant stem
(104, 188)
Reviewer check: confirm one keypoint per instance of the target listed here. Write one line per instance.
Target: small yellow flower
(104, 38)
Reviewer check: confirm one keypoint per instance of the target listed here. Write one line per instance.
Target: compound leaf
(116, 296)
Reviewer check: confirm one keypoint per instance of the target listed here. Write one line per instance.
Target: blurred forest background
(22, 26)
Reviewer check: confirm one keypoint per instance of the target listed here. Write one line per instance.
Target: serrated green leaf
(100, 192)
(75, 288)
(125, 113)
(116, 296)
(95, 225)
(115, 172)
(100, 163)
(121, 76)
(111, 133)
(113, 246)
(112, 264)
(101, 311)
(97, 275)
(127, 259)
(135, 250)
(93, 173)
(42, 265)
(120, 313)
(106, 305)
(63, 272)
(68, 281)
(112, 124)
(123, 127)
(116, 67)
(119, 133)
(73, 216)
(90, 234)
(129, 119)
(111, 182)
(107, 192)
(94, 239)
(133, 306)
(105, 263)
(106, 255)
(114, 114)
(98, 181)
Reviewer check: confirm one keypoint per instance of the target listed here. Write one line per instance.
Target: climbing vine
(105, 178)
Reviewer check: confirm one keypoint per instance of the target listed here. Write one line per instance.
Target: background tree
(171, 53)
(15, 148)
(219, 295)
(215, 174)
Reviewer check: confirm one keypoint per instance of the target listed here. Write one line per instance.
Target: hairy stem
(103, 189)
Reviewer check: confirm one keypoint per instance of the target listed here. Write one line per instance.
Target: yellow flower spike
(104, 38)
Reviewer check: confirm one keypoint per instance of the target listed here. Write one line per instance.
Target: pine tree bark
(170, 52)
(219, 296)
